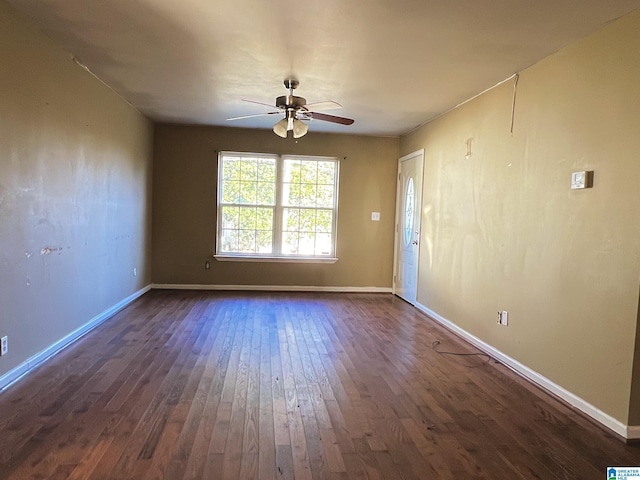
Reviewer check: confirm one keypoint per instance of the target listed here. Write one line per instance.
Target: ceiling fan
(295, 110)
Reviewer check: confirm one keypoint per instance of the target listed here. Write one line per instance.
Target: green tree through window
(271, 206)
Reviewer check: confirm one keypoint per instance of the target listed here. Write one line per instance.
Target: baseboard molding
(627, 432)
(25, 367)
(271, 288)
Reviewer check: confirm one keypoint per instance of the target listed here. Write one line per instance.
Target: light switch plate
(375, 216)
(580, 180)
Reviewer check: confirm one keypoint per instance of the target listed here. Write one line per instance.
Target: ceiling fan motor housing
(290, 101)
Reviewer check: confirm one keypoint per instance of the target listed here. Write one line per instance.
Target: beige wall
(634, 402)
(503, 230)
(184, 213)
(75, 171)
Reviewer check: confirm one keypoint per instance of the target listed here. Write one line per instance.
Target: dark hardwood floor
(209, 385)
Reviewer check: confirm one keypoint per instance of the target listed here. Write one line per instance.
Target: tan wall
(503, 230)
(634, 402)
(75, 171)
(184, 213)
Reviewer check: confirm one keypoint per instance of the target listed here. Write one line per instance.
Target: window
(276, 207)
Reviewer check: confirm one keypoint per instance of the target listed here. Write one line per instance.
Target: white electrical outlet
(4, 345)
(135, 272)
(504, 317)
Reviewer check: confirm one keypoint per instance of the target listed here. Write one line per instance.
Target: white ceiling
(392, 64)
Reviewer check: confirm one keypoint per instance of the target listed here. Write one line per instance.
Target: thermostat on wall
(581, 180)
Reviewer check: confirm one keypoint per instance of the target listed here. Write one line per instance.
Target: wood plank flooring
(210, 385)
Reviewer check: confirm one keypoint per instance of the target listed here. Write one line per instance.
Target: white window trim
(278, 209)
(231, 257)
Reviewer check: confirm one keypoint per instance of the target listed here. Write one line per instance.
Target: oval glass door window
(409, 206)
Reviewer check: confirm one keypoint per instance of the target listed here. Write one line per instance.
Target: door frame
(396, 240)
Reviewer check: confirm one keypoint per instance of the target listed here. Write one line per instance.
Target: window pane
(247, 241)
(307, 195)
(248, 193)
(326, 173)
(266, 193)
(229, 241)
(323, 244)
(291, 171)
(324, 221)
(249, 169)
(291, 194)
(264, 242)
(264, 219)
(291, 220)
(309, 172)
(247, 218)
(230, 217)
(307, 220)
(230, 192)
(290, 243)
(267, 170)
(306, 243)
(230, 168)
(325, 196)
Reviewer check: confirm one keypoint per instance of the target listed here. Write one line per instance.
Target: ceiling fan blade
(270, 105)
(318, 106)
(252, 116)
(329, 118)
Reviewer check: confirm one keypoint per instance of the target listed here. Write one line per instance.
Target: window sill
(257, 258)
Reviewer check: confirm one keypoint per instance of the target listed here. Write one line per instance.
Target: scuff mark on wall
(50, 250)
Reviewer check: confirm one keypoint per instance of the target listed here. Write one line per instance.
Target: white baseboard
(271, 288)
(627, 432)
(25, 367)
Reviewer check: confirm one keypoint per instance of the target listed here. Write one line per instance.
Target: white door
(407, 243)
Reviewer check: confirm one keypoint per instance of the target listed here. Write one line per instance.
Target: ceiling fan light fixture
(299, 128)
(280, 128)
